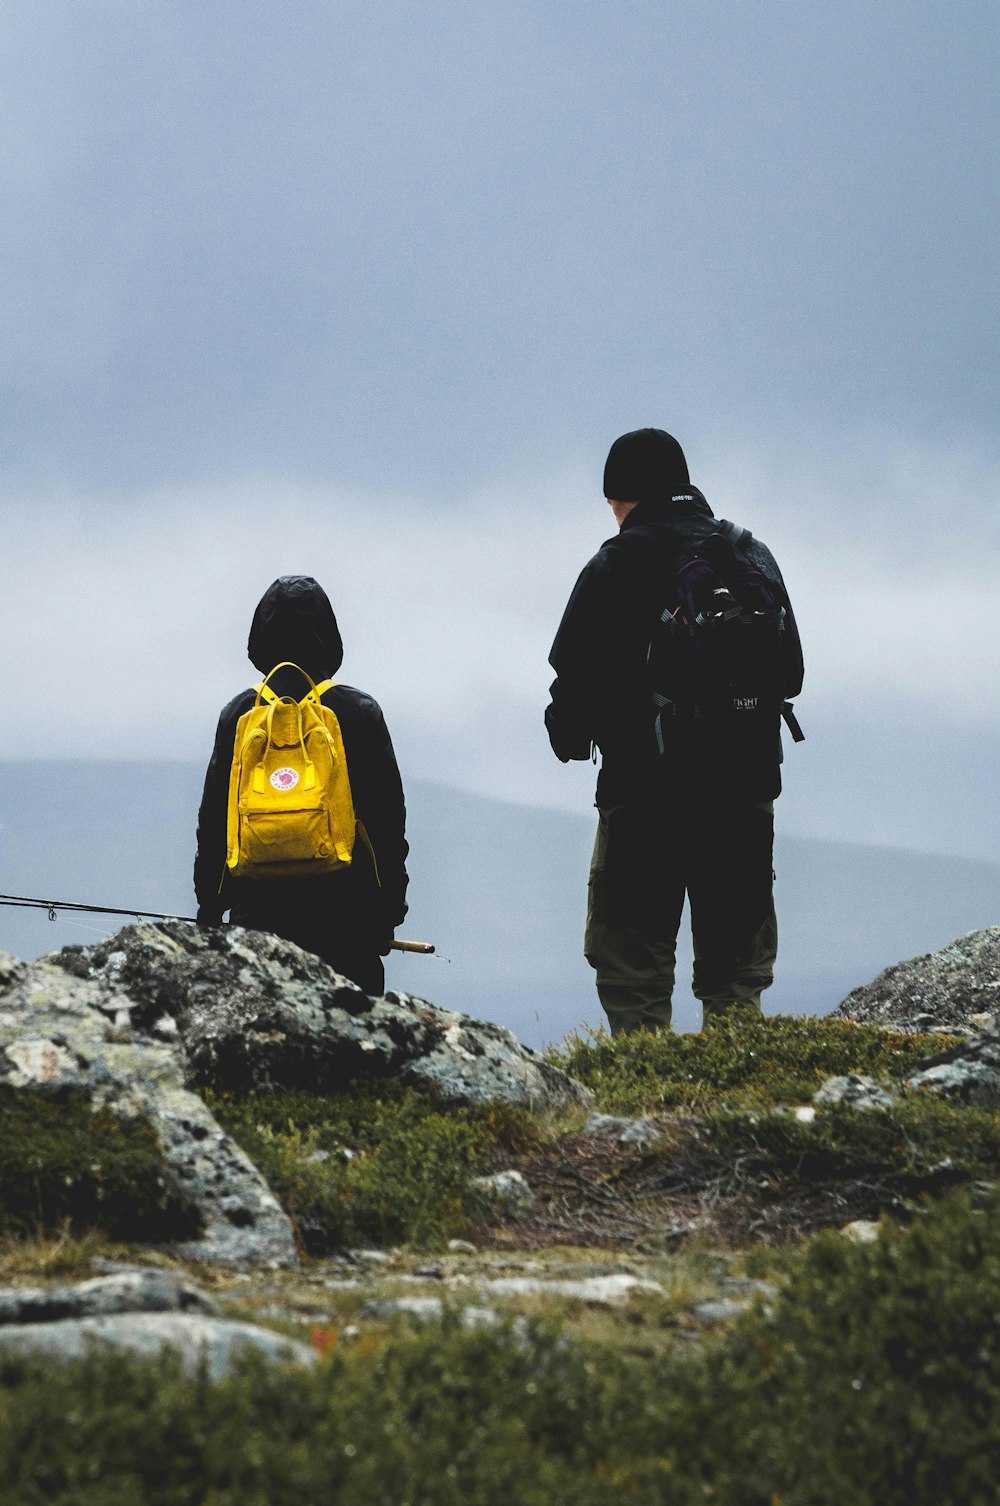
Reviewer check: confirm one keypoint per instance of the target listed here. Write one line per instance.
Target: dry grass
(45, 1256)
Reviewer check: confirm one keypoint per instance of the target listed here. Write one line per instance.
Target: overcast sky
(367, 292)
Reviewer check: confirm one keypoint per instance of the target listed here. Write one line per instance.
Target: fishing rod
(53, 906)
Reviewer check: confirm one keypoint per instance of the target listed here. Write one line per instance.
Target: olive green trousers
(647, 858)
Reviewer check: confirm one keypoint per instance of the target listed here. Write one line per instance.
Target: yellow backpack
(290, 812)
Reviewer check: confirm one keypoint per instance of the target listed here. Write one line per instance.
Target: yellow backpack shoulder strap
(323, 687)
(265, 693)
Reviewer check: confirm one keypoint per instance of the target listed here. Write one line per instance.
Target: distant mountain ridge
(500, 888)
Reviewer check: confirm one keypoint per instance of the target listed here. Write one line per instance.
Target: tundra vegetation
(854, 1371)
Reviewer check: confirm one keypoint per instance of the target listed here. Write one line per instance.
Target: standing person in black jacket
(347, 917)
(687, 820)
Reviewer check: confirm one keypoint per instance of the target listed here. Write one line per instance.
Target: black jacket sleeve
(599, 695)
(210, 856)
(576, 657)
(379, 803)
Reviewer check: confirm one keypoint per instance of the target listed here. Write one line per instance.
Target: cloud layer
(406, 245)
(135, 620)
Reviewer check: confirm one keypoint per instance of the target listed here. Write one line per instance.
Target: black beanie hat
(646, 465)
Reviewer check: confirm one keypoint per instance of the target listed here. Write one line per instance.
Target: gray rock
(56, 1034)
(425, 1309)
(749, 1286)
(638, 1132)
(429, 1310)
(103, 1265)
(968, 1073)
(196, 1338)
(509, 1189)
(603, 1291)
(295, 1312)
(146, 1292)
(253, 1011)
(861, 1231)
(855, 1090)
(951, 987)
(140, 1019)
(577, 1269)
(722, 1310)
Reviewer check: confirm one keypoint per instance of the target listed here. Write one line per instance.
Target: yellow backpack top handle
(263, 689)
(264, 692)
(315, 692)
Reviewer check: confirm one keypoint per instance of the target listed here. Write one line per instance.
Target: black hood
(294, 620)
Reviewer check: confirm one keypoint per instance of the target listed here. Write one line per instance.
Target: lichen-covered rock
(509, 1190)
(861, 1231)
(968, 1073)
(216, 1342)
(956, 988)
(252, 1011)
(641, 1132)
(600, 1290)
(62, 1033)
(722, 1310)
(429, 1310)
(138, 1023)
(856, 1091)
(142, 1312)
(145, 1291)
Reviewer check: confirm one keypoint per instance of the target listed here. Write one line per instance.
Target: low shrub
(443, 1419)
(876, 1378)
(745, 1059)
(374, 1163)
(63, 1166)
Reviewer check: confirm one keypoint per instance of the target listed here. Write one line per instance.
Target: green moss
(376, 1162)
(745, 1059)
(63, 1166)
(873, 1377)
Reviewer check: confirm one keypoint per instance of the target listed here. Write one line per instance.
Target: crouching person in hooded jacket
(347, 916)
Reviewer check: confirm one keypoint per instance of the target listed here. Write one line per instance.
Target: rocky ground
(957, 988)
(646, 1227)
(358, 1298)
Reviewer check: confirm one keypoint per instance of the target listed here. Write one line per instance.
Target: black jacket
(601, 696)
(295, 621)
